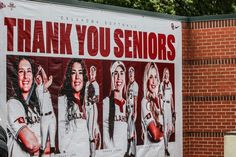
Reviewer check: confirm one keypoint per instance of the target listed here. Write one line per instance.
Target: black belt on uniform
(167, 101)
(46, 114)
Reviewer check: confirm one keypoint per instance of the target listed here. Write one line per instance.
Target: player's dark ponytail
(111, 117)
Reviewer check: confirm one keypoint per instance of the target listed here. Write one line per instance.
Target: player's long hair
(164, 71)
(111, 117)
(33, 100)
(146, 76)
(163, 78)
(129, 83)
(68, 91)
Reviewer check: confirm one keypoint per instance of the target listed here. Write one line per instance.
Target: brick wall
(209, 86)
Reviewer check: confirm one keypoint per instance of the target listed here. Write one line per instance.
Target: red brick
(209, 40)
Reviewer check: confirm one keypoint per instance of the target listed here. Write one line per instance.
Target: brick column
(209, 86)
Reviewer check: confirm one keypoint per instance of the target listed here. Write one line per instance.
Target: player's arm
(135, 101)
(173, 111)
(48, 83)
(96, 97)
(172, 104)
(160, 101)
(160, 91)
(18, 126)
(44, 75)
(135, 107)
(29, 140)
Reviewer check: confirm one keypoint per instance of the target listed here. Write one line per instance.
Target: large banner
(87, 82)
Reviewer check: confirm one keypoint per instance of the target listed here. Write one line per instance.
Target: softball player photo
(150, 107)
(48, 119)
(50, 115)
(114, 111)
(91, 100)
(23, 111)
(132, 98)
(166, 94)
(73, 132)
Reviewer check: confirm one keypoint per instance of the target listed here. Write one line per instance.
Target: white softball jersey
(132, 92)
(155, 149)
(44, 98)
(73, 134)
(167, 93)
(120, 127)
(17, 121)
(147, 118)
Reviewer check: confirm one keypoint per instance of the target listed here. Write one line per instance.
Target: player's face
(167, 76)
(131, 76)
(25, 76)
(92, 73)
(152, 81)
(119, 79)
(77, 77)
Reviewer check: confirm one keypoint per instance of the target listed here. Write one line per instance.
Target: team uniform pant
(168, 125)
(48, 128)
(131, 135)
(92, 116)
